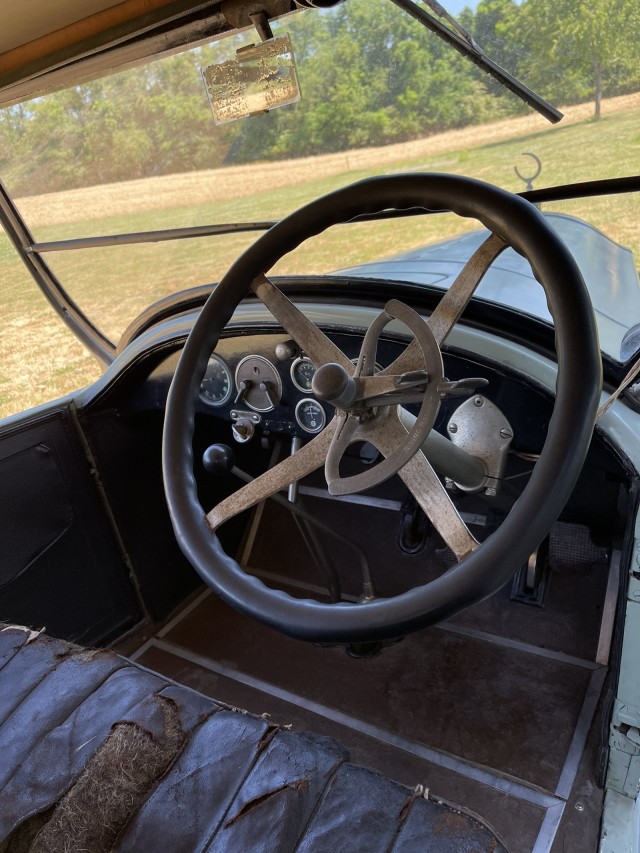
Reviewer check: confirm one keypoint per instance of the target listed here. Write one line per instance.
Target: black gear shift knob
(218, 459)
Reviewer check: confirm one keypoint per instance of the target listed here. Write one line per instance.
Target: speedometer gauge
(217, 384)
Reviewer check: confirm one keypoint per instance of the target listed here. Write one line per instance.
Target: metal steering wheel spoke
(447, 312)
(306, 334)
(346, 433)
(307, 459)
(424, 484)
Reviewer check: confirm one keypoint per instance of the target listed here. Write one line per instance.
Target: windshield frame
(32, 253)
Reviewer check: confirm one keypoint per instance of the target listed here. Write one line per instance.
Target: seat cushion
(100, 754)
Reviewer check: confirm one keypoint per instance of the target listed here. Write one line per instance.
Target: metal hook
(529, 181)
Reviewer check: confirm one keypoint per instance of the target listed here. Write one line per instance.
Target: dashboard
(261, 424)
(262, 384)
(256, 385)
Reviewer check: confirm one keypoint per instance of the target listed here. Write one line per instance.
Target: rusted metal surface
(305, 333)
(424, 484)
(449, 309)
(417, 373)
(310, 457)
(362, 422)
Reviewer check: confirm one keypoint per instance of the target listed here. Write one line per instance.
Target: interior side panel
(61, 568)
(127, 452)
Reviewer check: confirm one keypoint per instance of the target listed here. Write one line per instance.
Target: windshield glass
(381, 94)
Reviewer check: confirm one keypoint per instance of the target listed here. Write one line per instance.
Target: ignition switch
(244, 425)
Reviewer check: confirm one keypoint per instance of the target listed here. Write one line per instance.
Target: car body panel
(608, 269)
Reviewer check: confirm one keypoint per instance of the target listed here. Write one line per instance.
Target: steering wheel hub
(331, 382)
(368, 389)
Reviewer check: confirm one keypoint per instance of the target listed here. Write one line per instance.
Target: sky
(454, 7)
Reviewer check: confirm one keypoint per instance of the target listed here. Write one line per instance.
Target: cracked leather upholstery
(220, 779)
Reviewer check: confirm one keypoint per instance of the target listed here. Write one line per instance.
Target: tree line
(369, 75)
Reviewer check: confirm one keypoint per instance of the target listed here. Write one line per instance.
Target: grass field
(41, 360)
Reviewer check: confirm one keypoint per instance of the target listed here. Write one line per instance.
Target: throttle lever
(460, 387)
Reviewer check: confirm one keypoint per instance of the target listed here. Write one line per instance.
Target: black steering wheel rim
(486, 570)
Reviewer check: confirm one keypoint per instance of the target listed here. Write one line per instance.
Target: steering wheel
(367, 404)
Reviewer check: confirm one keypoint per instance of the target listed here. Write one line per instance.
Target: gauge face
(302, 371)
(258, 383)
(310, 415)
(217, 384)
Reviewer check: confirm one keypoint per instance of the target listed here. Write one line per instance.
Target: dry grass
(215, 185)
(42, 360)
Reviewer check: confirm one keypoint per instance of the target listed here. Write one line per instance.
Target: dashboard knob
(218, 459)
(286, 350)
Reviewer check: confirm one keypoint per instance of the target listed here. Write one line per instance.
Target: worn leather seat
(100, 754)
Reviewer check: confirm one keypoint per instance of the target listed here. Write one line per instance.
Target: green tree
(369, 75)
(491, 24)
(580, 48)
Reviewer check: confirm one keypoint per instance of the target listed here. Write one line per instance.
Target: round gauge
(310, 415)
(302, 371)
(258, 383)
(217, 384)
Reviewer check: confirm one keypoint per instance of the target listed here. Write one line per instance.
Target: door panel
(60, 566)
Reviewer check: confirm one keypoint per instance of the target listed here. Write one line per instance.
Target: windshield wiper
(462, 41)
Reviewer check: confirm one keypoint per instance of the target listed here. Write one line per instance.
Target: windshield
(381, 94)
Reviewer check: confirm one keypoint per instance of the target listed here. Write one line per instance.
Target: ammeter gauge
(310, 415)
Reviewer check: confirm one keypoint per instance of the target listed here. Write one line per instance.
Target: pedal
(415, 528)
(530, 584)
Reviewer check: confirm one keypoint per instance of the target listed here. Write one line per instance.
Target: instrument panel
(264, 385)
(286, 408)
